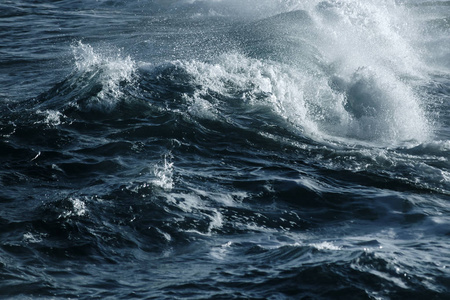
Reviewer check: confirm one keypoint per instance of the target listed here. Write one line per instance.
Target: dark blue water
(224, 149)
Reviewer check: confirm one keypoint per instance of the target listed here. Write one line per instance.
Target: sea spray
(230, 149)
(110, 68)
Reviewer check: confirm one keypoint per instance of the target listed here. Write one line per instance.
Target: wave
(307, 135)
(360, 91)
(333, 70)
(249, 103)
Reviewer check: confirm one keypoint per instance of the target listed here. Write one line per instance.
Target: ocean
(225, 149)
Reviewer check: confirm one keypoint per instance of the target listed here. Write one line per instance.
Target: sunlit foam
(368, 107)
(370, 47)
(360, 84)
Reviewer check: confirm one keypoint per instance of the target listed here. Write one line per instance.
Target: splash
(52, 117)
(75, 208)
(164, 174)
(344, 70)
(110, 69)
(367, 107)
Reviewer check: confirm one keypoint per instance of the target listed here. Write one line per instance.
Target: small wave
(113, 70)
(98, 82)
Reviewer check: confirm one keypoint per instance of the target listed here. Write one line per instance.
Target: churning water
(226, 149)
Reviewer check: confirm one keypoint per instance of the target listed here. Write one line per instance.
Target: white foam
(186, 202)
(216, 220)
(366, 92)
(112, 67)
(201, 108)
(78, 209)
(371, 108)
(31, 238)
(220, 252)
(52, 117)
(194, 204)
(325, 246)
(383, 108)
(370, 45)
(164, 173)
(281, 85)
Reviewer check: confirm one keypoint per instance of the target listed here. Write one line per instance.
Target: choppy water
(224, 149)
